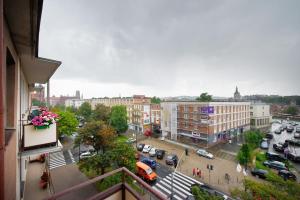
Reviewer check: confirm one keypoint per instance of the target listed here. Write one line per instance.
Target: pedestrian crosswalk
(56, 160)
(181, 185)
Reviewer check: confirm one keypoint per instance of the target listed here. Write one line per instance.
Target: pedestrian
(194, 172)
(197, 171)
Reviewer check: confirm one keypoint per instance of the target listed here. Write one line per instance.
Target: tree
(85, 110)
(201, 194)
(155, 100)
(57, 108)
(244, 155)
(67, 123)
(36, 102)
(72, 109)
(101, 113)
(118, 118)
(97, 134)
(204, 97)
(253, 138)
(292, 110)
(124, 155)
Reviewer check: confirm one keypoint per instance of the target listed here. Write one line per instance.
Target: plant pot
(41, 127)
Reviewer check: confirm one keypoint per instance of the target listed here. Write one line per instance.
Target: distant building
(260, 117)
(237, 95)
(137, 106)
(204, 122)
(155, 114)
(75, 103)
(61, 100)
(39, 93)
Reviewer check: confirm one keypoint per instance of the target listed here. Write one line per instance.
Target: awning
(40, 151)
(38, 70)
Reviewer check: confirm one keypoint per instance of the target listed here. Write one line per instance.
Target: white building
(75, 103)
(260, 116)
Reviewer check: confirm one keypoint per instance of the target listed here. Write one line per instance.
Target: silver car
(204, 153)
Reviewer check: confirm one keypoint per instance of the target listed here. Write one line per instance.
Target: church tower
(237, 95)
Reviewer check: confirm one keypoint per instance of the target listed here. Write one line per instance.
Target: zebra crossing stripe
(160, 192)
(176, 188)
(56, 160)
(164, 189)
(183, 178)
(177, 185)
(189, 178)
(71, 156)
(175, 180)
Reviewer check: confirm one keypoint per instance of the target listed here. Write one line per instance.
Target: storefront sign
(207, 110)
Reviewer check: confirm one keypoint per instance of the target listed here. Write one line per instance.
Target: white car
(147, 148)
(204, 153)
(152, 152)
(86, 155)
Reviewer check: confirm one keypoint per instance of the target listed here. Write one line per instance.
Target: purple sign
(207, 110)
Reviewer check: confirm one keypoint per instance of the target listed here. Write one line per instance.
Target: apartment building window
(185, 108)
(186, 124)
(185, 116)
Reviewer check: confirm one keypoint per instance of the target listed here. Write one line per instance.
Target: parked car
(260, 173)
(278, 131)
(293, 142)
(287, 175)
(275, 165)
(86, 154)
(160, 154)
(284, 126)
(298, 129)
(293, 157)
(269, 136)
(281, 128)
(290, 129)
(278, 147)
(264, 144)
(147, 148)
(152, 152)
(151, 163)
(296, 135)
(140, 147)
(171, 159)
(145, 172)
(204, 153)
(131, 140)
(275, 156)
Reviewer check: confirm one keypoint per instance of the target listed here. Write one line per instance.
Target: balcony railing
(120, 190)
(38, 138)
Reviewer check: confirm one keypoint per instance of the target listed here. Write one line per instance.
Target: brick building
(204, 122)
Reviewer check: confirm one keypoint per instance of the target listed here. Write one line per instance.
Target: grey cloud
(156, 43)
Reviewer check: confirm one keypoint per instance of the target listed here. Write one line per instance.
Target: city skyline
(171, 49)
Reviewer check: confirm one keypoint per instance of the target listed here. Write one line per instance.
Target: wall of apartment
(260, 116)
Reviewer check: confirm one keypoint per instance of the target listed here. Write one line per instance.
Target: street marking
(71, 156)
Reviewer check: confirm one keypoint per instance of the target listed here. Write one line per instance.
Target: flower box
(34, 138)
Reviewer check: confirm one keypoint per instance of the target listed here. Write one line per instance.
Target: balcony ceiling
(24, 31)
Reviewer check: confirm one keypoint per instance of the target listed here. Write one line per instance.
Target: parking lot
(280, 138)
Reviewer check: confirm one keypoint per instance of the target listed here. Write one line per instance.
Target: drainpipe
(2, 94)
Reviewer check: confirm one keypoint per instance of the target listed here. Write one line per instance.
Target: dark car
(171, 159)
(293, 157)
(151, 163)
(278, 131)
(287, 175)
(284, 126)
(275, 156)
(160, 154)
(140, 147)
(279, 147)
(269, 136)
(290, 129)
(293, 142)
(275, 165)
(259, 173)
(298, 129)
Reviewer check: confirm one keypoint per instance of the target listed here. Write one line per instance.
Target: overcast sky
(172, 47)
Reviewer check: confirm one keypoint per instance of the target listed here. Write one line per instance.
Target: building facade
(21, 68)
(260, 117)
(204, 122)
(137, 106)
(155, 114)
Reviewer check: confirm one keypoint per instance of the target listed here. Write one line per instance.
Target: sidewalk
(186, 165)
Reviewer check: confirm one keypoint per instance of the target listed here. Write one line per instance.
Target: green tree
(36, 102)
(124, 155)
(253, 138)
(201, 194)
(101, 113)
(244, 156)
(57, 108)
(67, 123)
(292, 110)
(155, 100)
(97, 134)
(72, 109)
(85, 110)
(118, 118)
(204, 97)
